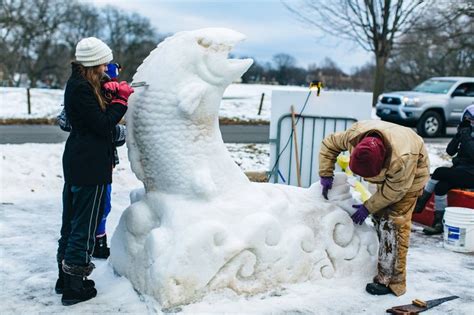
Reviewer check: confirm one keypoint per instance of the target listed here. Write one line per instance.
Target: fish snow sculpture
(201, 225)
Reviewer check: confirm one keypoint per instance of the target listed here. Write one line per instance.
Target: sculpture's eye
(204, 42)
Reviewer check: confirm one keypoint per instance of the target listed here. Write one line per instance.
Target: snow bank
(240, 101)
(202, 226)
(45, 103)
(243, 100)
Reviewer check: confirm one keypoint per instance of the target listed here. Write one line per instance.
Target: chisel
(138, 84)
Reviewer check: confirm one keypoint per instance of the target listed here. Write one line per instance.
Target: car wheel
(431, 124)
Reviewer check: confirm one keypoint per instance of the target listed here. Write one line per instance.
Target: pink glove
(111, 86)
(120, 91)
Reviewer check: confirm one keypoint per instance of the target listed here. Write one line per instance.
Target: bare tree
(83, 20)
(375, 25)
(29, 34)
(130, 36)
(363, 77)
(441, 44)
(38, 37)
(283, 63)
(12, 18)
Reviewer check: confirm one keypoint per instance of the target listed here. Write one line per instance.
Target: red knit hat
(367, 157)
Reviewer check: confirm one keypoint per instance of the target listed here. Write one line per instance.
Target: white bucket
(459, 229)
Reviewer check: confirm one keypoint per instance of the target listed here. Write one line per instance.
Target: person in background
(460, 175)
(87, 165)
(394, 158)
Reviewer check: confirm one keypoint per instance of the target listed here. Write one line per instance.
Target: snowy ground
(45, 103)
(30, 212)
(240, 101)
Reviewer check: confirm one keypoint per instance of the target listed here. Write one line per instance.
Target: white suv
(430, 107)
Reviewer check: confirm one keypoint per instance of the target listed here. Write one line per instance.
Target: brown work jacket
(406, 167)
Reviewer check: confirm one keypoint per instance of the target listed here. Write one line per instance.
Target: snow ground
(45, 103)
(240, 101)
(243, 100)
(30, 212)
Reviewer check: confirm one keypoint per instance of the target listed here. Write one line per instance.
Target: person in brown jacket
(394, 158)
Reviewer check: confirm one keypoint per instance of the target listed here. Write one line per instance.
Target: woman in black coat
(460, 175)
(87, 164)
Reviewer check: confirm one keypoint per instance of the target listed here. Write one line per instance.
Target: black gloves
(464, 128)
(464, 125)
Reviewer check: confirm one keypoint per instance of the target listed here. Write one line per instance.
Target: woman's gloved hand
(120, 91)
(360, 215)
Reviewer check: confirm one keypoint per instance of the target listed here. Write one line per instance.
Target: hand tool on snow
(419, 306)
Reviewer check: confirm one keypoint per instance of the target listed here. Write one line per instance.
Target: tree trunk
(379, 78)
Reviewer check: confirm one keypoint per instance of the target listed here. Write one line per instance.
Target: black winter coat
(88, 156)
(463, 146)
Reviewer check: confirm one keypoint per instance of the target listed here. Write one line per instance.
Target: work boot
(74, 291)
(100, 249)
(422, 201)
(59, 287)
(377, 289)
(437, 227)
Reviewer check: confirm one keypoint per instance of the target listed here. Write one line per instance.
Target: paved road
(230, 133)
(52, 134)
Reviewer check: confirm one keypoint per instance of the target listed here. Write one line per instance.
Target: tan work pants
(393, 229)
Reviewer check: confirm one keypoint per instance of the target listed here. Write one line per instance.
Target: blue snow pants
(108, 206)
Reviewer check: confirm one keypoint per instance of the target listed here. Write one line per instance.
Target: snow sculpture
(201, 225)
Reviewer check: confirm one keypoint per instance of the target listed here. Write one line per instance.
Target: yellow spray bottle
(343, 162)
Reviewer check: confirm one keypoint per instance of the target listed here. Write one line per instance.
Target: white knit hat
(91, 52)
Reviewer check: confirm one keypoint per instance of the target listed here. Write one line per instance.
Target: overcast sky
(269, 26)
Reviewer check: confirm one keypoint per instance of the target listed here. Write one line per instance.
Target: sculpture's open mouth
(245, 63)
(218, 44)
(239, 66)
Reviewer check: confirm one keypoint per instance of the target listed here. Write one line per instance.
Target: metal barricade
(311, 130)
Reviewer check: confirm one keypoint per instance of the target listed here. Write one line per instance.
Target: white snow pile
(201, 226)
(45, 103)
